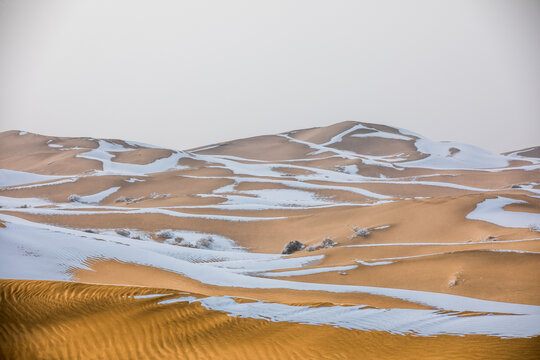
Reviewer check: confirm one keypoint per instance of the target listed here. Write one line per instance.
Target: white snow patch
(13, 177)
(395, 321)
(309, 271)
(491, 210)
(132, 180)
(262, 265)
(443, 244)
(13, 202)
(374, 263)
(137, 144)
(189, 299)
(103, 154)
(383, 134)
(348, 169)
(98, 197)
(268, 198)
(133, 234)
(63, 181)
(517, 155)
(514, 251)
(219, 242)
(339, 137)
(44, 252)
(467, 157)
(149, 296)
(67, 209)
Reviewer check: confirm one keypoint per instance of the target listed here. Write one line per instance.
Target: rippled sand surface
(59, 320)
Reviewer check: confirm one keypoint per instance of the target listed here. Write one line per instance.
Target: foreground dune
(44, 320)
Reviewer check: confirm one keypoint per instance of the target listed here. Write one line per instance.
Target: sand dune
(453, 234)
(44, 320)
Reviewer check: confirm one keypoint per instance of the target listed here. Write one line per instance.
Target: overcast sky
(188, 73)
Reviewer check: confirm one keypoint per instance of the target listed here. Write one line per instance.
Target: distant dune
(429, 247)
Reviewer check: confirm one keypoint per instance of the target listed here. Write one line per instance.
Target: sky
(183, 74)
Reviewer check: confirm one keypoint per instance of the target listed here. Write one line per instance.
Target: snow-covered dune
(398, 233)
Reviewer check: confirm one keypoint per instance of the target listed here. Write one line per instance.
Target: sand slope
(453, 228)
(43, 320)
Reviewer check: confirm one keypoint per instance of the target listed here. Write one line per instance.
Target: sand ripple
(45, 320)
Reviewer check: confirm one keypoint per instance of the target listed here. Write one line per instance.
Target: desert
(338, 242)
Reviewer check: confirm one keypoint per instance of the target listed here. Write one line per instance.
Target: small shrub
(328, 242)
(186, 244)
(456, 279)
(360, 232)
(292, 246)
(534, 227)
(122, 232)
(178, 240)
(165, 234)
(155, 195)
(74, 198)
(91, 231)
(129, 199)
(204, 242)
(489, 238)
(325, 244)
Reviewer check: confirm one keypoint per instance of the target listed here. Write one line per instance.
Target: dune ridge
(434, 230)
